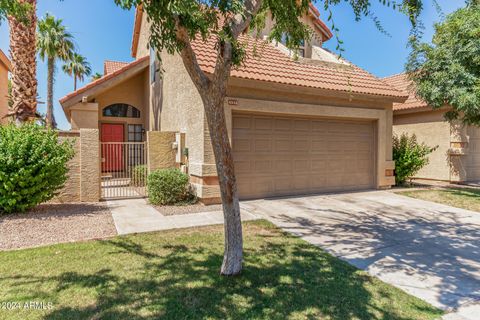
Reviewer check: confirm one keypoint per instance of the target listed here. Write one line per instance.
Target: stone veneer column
(89, 165)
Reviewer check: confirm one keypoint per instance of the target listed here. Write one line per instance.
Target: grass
(465, 198)
(175, 275)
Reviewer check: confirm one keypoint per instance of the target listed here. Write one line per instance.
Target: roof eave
(136, 30)
(107, 81)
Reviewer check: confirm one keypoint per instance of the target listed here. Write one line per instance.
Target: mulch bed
(187, 209)
(55, 223)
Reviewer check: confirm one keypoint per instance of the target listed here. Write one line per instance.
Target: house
(297, 126)
(457, 158)
(5, 68)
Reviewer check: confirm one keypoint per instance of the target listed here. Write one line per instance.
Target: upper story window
(154, 66)
(301, 49)
(121, 110)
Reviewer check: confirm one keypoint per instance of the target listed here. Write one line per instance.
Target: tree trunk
(50, 119)
(214, 110)
(23, 53)
(213, 92)
(74, 83)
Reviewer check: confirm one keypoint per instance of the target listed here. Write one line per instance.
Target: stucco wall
(84, 115)
(131, 92)
(182, 110)
(430, 128)
(316, 40)
(3, 93)
(142, 47)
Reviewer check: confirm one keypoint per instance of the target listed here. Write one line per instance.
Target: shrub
(169, 186)
(410, 156)
(33, 166)
(138, 175)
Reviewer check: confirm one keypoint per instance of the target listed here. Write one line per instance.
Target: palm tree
(53, 42)
(96, 76)
(23, 54)
(78, 67)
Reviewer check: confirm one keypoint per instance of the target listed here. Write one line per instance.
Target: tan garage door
(473, 158)
(280, 155)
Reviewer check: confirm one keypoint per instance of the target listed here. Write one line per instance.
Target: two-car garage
(277, 155)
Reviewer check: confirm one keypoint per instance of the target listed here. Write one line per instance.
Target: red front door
(112, 153)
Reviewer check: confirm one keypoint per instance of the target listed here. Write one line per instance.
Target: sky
(103, 31)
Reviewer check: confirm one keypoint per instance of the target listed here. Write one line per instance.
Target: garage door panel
(283, 184)
(263, 124)
(473, 157)
(263, 166)
(242, 145)
(242, 122)
(294, 155)
(263, 145)
(283, 125)
(242, 167)
(302, 125)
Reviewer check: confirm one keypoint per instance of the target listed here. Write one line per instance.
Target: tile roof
(272, 65)
(105, 78)
(401, 82)
(112, 66)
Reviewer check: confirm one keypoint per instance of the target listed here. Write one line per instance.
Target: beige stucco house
(457, 158)
(296, 126)
(5, 68)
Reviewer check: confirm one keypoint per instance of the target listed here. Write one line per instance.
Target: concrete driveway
(429, 250)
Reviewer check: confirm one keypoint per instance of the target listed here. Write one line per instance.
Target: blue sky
(103, 31)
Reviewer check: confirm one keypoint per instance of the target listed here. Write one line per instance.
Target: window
(121, 110)
(301, 48)
(135, 133)
(154, 66)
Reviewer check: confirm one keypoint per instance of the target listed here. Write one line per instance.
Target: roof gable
(107, 81)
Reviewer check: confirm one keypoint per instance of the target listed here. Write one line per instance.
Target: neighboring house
(5, 68)
(457, 158)
(316, 124)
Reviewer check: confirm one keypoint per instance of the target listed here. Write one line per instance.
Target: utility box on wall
(180, 144)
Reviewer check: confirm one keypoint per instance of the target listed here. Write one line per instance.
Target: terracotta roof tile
(112, 66)
(401, 82)
(273, 65)
(105, 78)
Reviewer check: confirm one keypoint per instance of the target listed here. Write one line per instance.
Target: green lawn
(466, 198)
(175, 275)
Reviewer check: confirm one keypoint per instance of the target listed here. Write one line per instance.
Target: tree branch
(201, 81)
(240, 22)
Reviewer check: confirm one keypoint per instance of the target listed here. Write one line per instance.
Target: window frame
(136, 130)
(129, 112)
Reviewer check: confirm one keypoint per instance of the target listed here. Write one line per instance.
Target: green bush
(33, 166)
(169, 186)
(138, 175)
(410, 156)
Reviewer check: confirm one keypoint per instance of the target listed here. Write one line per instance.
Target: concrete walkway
(136, 215)
(429, 250)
